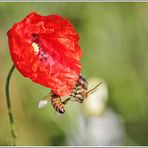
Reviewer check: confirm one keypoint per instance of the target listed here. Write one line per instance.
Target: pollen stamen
(35, 47)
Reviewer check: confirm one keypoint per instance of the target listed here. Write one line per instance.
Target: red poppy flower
(45, 49)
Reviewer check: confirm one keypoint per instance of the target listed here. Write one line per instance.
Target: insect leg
(67, 100)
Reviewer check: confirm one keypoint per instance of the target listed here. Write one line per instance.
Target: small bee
(80, 91)
(55, 101)
(79, 94)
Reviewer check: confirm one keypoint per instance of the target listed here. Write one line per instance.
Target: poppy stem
(12, 124)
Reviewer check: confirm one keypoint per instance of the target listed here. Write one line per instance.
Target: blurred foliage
(114, 39)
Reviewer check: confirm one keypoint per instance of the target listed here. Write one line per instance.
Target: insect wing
(42, 103)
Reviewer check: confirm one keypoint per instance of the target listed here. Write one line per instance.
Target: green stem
(12, 125)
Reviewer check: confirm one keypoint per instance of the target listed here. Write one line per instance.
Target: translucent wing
(42, 103)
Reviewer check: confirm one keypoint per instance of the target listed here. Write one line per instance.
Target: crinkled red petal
(55, 61)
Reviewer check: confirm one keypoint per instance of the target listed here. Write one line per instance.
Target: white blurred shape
(42, 103)
(97, 125)
(96, 102)
(105, 130)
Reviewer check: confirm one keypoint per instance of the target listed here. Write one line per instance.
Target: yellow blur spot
(35, 47)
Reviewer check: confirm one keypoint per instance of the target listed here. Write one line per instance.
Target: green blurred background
(114, 39)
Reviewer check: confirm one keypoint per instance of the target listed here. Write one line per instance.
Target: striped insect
(80, 91)
(55, 101)
(79, 94)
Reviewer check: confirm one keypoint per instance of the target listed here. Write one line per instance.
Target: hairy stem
(12, 124)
